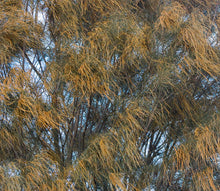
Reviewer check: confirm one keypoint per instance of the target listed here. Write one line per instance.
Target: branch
(32, 66)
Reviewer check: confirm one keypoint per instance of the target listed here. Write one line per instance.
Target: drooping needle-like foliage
(109, 95)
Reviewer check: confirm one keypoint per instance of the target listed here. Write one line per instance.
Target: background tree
(109, 95)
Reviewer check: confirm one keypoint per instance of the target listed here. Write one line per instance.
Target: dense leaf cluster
(109, 95)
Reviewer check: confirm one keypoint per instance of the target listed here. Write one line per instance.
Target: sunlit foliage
(109, 95)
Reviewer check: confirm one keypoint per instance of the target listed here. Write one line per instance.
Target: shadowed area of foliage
(109, 95)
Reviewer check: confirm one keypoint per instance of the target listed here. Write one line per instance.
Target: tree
(109, 95)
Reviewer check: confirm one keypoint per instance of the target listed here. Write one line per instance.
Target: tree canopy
(109, 95)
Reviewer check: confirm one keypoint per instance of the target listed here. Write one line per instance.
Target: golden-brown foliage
(109, 95)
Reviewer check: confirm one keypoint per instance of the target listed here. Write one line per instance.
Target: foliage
(109, 95)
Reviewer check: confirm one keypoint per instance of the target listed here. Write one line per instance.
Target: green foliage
(109, 95)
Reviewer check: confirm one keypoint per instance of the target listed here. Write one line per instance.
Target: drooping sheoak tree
(109, 95)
